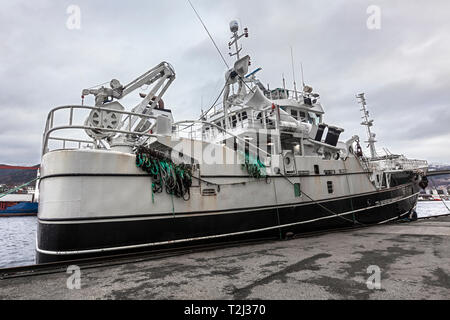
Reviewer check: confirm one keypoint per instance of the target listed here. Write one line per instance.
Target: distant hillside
(15, 176)
(439, 181)
(434, 166)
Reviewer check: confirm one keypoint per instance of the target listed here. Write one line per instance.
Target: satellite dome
(234, 26)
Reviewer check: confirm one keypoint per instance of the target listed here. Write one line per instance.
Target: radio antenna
(303, 78)
(293, 75)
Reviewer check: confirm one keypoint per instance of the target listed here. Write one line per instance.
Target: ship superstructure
(263, 164)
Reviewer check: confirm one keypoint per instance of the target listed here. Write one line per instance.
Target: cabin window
(302, 115)
(233, 121)
(244, 115)
(294, 114)
(330, 186)
(316, 169)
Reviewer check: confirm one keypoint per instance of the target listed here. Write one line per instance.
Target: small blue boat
(20, 209)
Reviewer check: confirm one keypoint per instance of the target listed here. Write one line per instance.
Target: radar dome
(234, 26)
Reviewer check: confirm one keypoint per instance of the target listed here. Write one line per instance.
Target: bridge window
(302, 115)
(313, 118)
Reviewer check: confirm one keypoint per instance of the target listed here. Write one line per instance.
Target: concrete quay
(413, 260)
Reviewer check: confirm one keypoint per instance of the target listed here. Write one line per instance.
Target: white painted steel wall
(119, 196)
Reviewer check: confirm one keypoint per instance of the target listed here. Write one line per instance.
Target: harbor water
(18, 234)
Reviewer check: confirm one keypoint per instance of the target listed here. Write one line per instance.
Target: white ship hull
(107, 207)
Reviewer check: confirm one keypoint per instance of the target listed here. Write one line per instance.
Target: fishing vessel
(19, 200)
(19, 204)
(264, 163)
(434, 195)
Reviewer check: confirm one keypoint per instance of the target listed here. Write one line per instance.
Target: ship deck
(413, 259)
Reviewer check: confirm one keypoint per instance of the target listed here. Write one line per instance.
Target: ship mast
(234, 28)
(367, 123)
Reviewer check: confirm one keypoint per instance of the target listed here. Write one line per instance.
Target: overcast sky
(403, 67)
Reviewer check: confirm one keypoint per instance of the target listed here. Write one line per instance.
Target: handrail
(222, 129)
(64, 140)
(52, 111)
(46, 135)
(401, 163)
(49, 126)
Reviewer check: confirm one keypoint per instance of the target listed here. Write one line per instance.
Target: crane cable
(204, 26)
(220, 53)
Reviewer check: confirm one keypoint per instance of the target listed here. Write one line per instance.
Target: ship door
(289, 162)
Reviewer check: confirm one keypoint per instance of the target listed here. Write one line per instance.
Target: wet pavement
(413, 260)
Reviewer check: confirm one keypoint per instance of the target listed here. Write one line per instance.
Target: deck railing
(72, 121)
(195, 129)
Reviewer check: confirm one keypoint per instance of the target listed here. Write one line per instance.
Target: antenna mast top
(367, 123)
(234, 28)
(293, 75)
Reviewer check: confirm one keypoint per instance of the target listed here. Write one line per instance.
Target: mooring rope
(322, 206)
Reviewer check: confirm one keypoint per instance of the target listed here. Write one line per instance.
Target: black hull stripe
(256, 208)
(138, 246)
(62, 241)
(251, 210)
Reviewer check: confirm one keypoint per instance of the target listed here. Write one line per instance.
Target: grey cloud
(403, 67)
